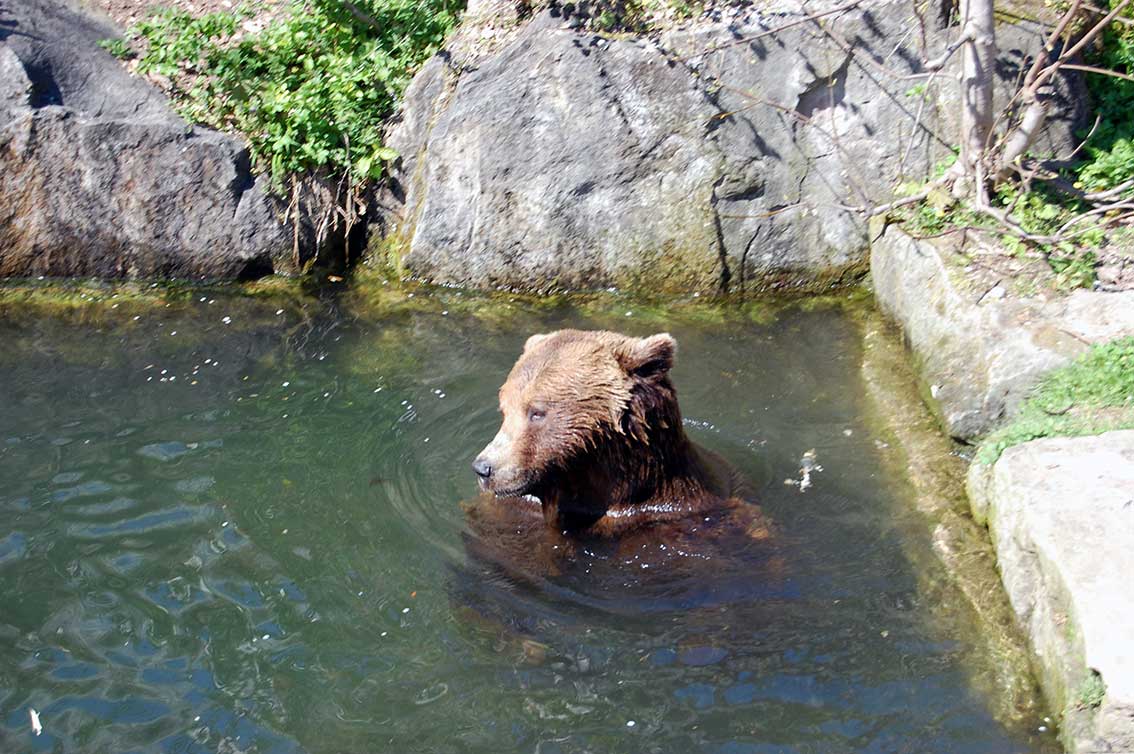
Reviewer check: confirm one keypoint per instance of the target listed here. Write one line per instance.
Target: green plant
(119, 48)
(312, 89)
(1093, 394)
(1110, 149)
(1091, 692)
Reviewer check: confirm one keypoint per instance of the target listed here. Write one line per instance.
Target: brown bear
(592, 445)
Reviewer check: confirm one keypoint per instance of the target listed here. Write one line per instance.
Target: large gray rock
(715, 157)
(1061, 515)
(980, 350)
(98, 177)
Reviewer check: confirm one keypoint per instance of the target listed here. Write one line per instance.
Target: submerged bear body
(592, 446)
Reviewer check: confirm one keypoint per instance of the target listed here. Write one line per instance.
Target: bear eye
(537, 414)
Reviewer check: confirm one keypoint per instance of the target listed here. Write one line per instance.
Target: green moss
(99, 302)
(1093, 394)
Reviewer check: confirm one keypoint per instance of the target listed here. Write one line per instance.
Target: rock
(978, 354)
(15, 88)
(545, 156)
(98, 177)
(1061, 515)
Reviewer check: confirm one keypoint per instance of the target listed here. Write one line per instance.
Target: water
(246, 536)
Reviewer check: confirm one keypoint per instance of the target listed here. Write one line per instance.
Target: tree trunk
(977, 76)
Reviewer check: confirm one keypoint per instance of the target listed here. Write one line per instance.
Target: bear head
(590, 421)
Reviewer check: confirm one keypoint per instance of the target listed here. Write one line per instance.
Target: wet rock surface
(980, 348)
(721, 156)
(1061, 515)
(99, 177)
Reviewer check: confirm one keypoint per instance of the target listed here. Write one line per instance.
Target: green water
(247, 537)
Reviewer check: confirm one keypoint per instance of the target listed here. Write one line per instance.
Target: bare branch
(1125, 205)
(926, 190)
(1103, 11)
(1102, 196)
(937, 63)
(1049, 45)
(1100, 71)
(1089, 36)
(1023, 136)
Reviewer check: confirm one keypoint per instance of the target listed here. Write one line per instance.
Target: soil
(124, 13)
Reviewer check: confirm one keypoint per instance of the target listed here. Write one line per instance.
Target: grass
(1093, 394)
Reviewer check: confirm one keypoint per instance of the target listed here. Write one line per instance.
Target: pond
(227, 526)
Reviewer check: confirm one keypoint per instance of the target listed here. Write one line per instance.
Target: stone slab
(1061, 515)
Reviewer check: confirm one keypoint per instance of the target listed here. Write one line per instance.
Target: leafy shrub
(311, 89)
(1110, 150)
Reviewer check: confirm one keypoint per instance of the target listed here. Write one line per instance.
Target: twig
(1101, 71)
(917, 122)
(1096, 211)
(882, 209)
(1083, 143)
(1110, 193)
(937, 63)
(1094, 31)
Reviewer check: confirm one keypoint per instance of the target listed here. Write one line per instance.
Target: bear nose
(482, 468)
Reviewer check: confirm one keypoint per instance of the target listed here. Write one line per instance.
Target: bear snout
(482, 468)
(497, 471)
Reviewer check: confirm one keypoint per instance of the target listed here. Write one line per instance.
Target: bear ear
(534, 340)
(649, 357)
